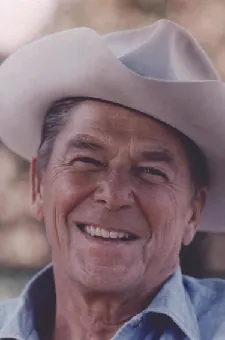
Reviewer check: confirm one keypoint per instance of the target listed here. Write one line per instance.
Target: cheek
(65, 191)
(164, 210)
(61, 195)
(160, 207)
(166, 206)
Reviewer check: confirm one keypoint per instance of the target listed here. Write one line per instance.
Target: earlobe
(189, 235)
(196, 208)
(191, 225)
(37, 208)
(36, 194)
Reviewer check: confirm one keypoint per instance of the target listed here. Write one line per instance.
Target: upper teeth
(96, 231)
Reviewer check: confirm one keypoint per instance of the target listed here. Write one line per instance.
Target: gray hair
(56, 118)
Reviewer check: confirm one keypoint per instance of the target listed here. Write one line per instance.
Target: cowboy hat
(159, 70)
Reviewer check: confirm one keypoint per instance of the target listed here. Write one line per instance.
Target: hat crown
(163, 51)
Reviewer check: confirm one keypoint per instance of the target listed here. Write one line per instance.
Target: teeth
(104, 233)
(88, 229)
(96, 231)
(114, 234)
(92, 231)
(121, 235)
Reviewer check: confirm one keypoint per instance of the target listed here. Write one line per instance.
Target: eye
(151, 173)
(82, 163)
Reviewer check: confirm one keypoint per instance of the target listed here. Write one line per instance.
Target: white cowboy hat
(159, 70)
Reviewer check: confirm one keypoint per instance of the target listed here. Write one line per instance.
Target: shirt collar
(36, 300)
(172, 300)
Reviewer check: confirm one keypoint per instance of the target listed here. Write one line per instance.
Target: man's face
(117, 173)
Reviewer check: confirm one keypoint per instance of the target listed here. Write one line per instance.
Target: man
(126, 137)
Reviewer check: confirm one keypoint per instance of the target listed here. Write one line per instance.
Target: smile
(112, 235)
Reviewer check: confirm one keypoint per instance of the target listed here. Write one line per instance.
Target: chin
(101, 278)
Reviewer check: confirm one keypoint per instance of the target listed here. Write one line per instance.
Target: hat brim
(63, 66)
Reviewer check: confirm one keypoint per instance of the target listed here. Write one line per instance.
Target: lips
(106, 234)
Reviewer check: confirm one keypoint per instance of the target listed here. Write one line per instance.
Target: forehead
(116, 126)
(117, 120)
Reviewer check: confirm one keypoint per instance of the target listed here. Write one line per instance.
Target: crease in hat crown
(164, 38)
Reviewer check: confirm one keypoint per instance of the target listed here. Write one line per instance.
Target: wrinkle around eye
(85, 163)
(152, 174)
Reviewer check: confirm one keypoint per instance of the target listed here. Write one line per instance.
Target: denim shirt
(184, 308)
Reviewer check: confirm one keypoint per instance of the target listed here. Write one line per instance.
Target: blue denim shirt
(184, 308)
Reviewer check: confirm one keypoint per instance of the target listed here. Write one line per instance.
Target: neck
(83, 315)
(97, 319)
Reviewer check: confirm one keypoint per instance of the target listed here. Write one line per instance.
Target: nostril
(114, 200)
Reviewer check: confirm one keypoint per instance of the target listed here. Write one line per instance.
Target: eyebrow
(83, 142)
(87, 142)
(162, 155)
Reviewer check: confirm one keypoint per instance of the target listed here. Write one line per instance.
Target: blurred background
(23, 246)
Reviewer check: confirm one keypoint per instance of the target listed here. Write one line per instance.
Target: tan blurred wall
(22, 239)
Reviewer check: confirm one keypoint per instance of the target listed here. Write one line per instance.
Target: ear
(196, 206)
(36, 192)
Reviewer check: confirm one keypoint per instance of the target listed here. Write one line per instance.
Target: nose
(114, 192)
